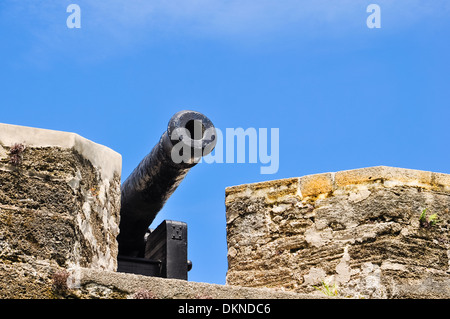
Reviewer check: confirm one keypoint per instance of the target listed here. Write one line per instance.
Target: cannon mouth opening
(193, 129)
(190, 136)
(196, 129)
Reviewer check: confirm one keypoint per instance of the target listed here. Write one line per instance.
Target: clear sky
(342, 95)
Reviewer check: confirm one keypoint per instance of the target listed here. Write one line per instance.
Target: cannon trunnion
(163, 251)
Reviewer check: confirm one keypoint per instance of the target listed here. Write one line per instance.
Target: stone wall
(59, 206)
(359, 231)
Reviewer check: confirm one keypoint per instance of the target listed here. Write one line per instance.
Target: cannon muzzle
(189, 136)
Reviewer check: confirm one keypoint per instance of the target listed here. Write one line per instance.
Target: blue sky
(342, 95)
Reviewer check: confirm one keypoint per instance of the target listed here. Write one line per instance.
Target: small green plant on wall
(327, 289)
(427, 222)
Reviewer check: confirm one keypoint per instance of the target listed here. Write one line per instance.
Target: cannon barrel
(189, 136)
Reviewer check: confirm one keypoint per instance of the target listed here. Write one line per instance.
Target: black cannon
(162, 252)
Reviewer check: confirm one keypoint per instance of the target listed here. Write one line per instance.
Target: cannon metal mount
(163, 251)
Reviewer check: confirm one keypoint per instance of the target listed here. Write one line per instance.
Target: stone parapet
(360, 230)
(59, 199)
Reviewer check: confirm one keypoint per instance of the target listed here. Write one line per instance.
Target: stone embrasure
(358, 229)
(59, 205)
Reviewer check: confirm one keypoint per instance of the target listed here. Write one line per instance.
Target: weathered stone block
(358, 229)
(385, 174)
(314, 185)
(441, 181)
(59, 199)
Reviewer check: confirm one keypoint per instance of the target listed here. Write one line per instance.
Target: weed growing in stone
(327, 289)
(59, 282)
(16, 154)
(143, 294)
(427, 222)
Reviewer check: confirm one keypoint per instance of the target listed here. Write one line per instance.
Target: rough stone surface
(129, 285)
(357, 229)
(39, 280)
(59, 204)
